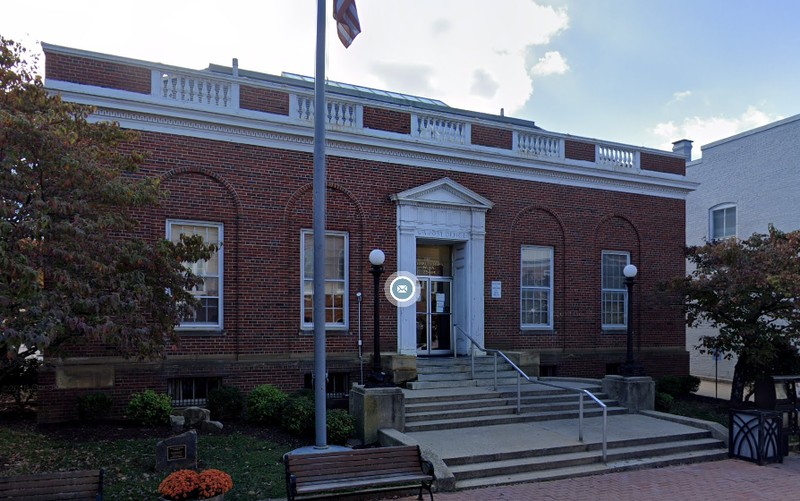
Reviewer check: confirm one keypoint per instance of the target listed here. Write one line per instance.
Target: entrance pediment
(444, 192)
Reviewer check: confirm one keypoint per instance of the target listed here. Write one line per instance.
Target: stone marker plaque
(177, 452)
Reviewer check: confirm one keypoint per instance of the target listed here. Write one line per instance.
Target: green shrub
(265, 403)
(677, 385)
(340, 426)
(664, 401)
(94, 406)
(225, 403)
(690, 384)
(150, 408)
(298, 415)
(21, 380)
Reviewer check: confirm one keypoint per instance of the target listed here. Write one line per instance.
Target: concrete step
(561, 406)
(491, 406)
(440, 406)
(456, 374)
(481, 383)
(471, 412)
(483, 420)
(595, 468)
(617, 450)
(430, 385)
(417, 398)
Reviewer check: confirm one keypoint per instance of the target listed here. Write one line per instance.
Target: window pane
(535, 267)
(614, 308)
(535, 306)
(308, 253)
(613, 265)
(730, 221)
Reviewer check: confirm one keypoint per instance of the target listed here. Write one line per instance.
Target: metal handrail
(521, 374)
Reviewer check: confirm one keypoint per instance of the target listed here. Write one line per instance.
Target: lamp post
(377, 378)
(630, 368)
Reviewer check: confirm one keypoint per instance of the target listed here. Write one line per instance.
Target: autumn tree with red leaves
(70, 269)
(750, 291)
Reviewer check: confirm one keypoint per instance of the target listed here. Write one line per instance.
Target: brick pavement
(731, 479)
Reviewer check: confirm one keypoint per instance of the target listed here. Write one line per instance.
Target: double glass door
(434, 316)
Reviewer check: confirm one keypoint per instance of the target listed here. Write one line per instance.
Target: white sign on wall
(497, 289)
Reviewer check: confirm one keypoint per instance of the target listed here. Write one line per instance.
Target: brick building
(517, 235)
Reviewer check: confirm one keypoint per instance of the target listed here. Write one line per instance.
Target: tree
(71, 269)
(750, 291)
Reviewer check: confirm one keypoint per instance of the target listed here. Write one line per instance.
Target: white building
(746, 182)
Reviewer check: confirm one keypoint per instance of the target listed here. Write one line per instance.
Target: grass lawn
(253, 461)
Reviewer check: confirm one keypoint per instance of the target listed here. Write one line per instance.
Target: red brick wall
(388, 120)
(576, 150)
(266, 100)
(492, 136)
(82, 70)
(662, 163)
(263, 197)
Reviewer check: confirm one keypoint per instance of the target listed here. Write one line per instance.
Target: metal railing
(521, 374)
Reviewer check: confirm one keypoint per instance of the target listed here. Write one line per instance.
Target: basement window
(337, 385)
(192, 391)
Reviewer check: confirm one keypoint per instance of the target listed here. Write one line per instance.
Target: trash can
(756, 435)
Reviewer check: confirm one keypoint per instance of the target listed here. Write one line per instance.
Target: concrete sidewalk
(730, 479)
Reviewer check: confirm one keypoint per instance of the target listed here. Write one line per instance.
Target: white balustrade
(339, 113)
(439, 129)
(616, 156)
(188, 88)
(538, 145)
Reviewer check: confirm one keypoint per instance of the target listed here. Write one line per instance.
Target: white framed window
(614, 294)
(336, 279)
(536, 287)
(208, 314)
(722, 222)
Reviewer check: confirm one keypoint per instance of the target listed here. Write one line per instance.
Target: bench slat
(364, 482)
(366, 473)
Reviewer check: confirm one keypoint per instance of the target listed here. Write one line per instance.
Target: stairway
(584, 459)
(482, 439)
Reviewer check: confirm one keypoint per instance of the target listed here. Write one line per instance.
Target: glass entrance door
(434, 316)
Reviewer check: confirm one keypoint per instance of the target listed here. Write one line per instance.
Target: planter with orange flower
(188, 485)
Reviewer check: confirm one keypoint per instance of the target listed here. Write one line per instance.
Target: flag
(346, 15)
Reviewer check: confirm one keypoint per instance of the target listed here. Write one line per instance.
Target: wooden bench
(354, 470)
(84, 484)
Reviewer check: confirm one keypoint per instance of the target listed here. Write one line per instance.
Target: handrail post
(605, 441)
(519, 394)
(580, 417)
(495, 372)
(472, 360)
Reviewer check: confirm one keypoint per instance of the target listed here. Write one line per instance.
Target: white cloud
(552, 63)
(705, 130)
(679, 96)
(483, 84)
(468, 53)
(475, 61)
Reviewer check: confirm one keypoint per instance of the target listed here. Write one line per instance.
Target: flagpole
(319, 235)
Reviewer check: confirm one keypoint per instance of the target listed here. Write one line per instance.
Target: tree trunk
(739, 381)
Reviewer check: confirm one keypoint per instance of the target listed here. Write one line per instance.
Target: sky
(638, 72)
